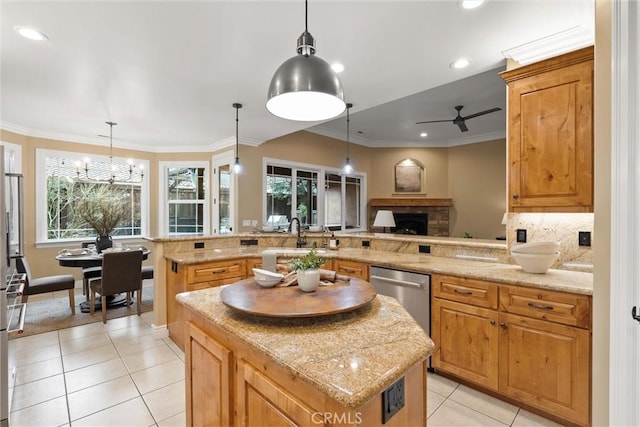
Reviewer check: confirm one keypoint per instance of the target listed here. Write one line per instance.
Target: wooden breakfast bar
(356, 367)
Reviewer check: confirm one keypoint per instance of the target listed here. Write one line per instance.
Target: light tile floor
(118, 375)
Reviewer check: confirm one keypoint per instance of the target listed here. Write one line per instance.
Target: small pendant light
(347, 164)
(305, 87)
(237, 168)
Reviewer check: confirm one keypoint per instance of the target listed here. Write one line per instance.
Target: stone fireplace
(411, 213)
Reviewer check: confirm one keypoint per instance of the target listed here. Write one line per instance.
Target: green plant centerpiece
(102, 208)
(307, 268)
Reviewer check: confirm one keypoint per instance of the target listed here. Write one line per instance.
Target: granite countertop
(559, 280)
(351, 356)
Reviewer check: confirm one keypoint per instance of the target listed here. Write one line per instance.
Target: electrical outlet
(424, 249)
(198, 245)
(392, 400)
(246, 223)
(521, 235)
(584, 238)
(366, 243)
(254, 222)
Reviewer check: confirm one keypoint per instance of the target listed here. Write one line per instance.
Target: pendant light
(237, 168)
(347, 164)
(305, 87)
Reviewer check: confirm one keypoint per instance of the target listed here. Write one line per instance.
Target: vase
(308, 280)
(103, 242)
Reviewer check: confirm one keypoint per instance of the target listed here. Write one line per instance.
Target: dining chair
(89, 273)
(41, 285)
(121, 272)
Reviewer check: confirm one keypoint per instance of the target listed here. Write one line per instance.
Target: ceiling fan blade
(433, 121)
(463, 127)
(481, 113)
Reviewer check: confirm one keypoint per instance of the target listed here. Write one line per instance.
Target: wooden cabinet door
(546, 365)
(466, 339)
(550, 131)
(262, 402)
(208, 379)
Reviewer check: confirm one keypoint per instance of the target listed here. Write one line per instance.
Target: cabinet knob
(493, 322)
(503, 325)
(515, 196)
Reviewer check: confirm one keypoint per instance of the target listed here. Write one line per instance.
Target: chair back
(22, 265)
(121, 272)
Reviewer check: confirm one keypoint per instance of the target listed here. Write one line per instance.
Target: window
(184, 204)
(314, 194)
(59, 191)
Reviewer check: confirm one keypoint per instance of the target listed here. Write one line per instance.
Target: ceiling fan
(459, 120)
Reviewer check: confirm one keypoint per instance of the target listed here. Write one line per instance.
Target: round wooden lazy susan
(289, 301)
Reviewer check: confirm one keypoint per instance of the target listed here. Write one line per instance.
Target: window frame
(42, 154)
(321, 171)
(163, 196)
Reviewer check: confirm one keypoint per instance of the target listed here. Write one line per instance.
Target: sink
(269, 256)
(298, 251)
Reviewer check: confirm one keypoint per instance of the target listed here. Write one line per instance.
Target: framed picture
(408, 177)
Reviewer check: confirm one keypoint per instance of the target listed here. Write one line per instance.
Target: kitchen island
(340, 369)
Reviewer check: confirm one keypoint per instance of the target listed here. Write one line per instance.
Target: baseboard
(159, 332)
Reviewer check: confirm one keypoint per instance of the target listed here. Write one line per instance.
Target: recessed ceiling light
(337, 67)
(471, 4)
(459, 64)
(30, 33)
(423, 135)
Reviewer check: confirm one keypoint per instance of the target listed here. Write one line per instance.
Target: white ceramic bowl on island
(266, 278)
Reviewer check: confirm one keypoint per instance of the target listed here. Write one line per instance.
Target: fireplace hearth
(415, 224)
(411, 215)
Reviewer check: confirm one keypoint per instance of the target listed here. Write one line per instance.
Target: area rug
(53, 314)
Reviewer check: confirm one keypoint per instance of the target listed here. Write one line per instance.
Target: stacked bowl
(536, 257)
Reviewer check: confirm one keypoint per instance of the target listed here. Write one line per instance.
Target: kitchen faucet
(300, 242)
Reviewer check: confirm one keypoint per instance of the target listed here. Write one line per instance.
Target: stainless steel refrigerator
(12, 311)
(4, 317)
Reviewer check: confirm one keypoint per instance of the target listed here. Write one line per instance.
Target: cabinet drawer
(215, 271)
(559, 307)
(468, 291)
(356, 269)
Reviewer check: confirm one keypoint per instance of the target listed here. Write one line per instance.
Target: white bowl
(536, 248)
(266, 278)
(535, 263)
(315, 228)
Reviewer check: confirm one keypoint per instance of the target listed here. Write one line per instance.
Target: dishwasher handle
(397, 282)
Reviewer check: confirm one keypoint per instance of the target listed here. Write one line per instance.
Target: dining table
(87, 257)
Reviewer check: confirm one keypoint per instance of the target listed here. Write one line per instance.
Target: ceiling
(169, 72)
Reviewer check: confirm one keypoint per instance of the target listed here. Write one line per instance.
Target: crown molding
(565, 41)
(178, 148)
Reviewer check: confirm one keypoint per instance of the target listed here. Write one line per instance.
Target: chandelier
(116, 171)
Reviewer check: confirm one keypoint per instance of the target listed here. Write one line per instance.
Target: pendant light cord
(306, 14)
(348, 120)
(237, 132)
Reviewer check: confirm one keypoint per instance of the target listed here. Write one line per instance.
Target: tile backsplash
(558, 227)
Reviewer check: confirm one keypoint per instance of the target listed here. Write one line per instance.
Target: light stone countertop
(559, 280)
(351, 357)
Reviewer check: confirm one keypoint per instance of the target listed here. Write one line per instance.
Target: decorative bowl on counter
(266, 278)
(535, 263)
(544, 248)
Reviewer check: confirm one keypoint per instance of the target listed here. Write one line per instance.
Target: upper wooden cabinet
(550, 134)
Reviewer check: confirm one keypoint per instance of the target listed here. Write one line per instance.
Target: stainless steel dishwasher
(413, 290)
